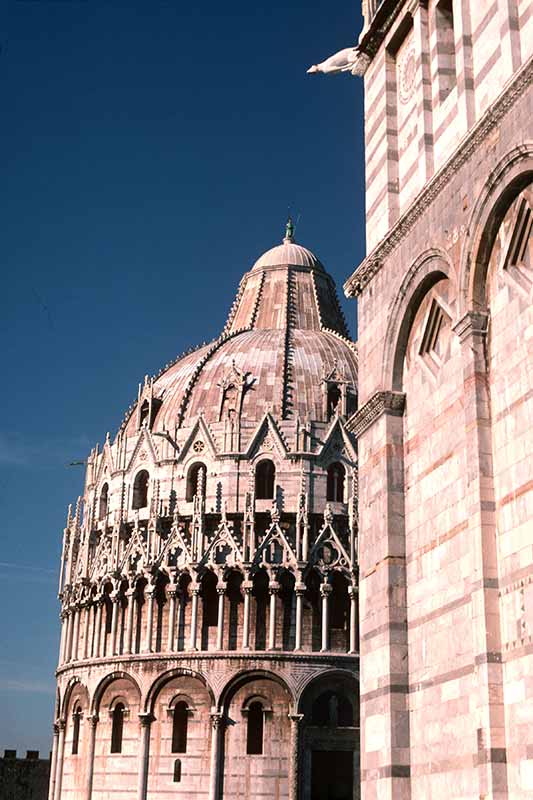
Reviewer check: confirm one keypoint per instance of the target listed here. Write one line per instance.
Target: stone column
(273, 589)
(217, 727)
(325, 591)
(149, 619)
(115, 599)
(98, 627)
(144, 755)
(378, 425)
(300, 591)
(247, 589)
(353, 593)
(294, 756)
(128, 644)
(76, 634)
(86, 628)
(92, 721)
(61, 724)
(63, 642)
(53, 762)
(70, 634)
(172, 593)
(485, 602)
(195, 590)
(221, 591)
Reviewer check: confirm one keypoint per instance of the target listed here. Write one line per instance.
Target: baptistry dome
(284, 336)
(209, 572)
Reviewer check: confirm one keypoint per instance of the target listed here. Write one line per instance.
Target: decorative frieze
(380, 403)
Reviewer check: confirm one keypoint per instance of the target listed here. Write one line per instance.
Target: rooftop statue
(348, 60)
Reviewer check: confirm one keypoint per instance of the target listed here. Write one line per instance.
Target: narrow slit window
(117, 728)
(180, 720)
(104, 502)
(254, 734)
(76, 722)
(177, 770)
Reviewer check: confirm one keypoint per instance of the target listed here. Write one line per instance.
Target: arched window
(335, 484)
(76, 721)
(140, 490)
(177, 770)
(104, 501)
(254, 731)
(265, 477)
(334, 400)
(332, 710)
(117, 728)
(180, 718)
(196, 482)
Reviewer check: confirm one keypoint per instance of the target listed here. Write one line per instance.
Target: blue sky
(149, 153)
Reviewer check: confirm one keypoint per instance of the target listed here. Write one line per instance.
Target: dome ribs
(257, 303)
(317, 303)
(288, 355)
(198, 368)
(234, 307)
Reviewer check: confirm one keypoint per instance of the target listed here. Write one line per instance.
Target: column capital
(195, 589)
(146, 718)
(92, 719)
(474, 323)
(221, 588)
(353, 591)
(273, 587)
(295, 718)
(247, 587)
(61, 724)
(325, 589)
(217, 719)
(300, 588)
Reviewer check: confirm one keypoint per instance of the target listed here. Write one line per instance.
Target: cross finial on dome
(289, 230)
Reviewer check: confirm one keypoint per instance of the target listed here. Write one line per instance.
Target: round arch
(511, 175)
(73, 683)
(431, 266)
(243, 677)
(323, 677)
(107, 681)
(162, 680)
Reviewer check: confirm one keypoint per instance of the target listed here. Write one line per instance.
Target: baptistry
(209, 593)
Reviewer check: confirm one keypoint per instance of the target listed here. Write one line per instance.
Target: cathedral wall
(439, 69)
(193, 753)
(251, 777)
(115, 773)
(511, 374)
(465, 444)
(439, 556)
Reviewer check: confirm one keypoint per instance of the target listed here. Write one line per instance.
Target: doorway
(332, 774)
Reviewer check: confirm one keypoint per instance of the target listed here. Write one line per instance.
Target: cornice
(373, 263)
(378, 27)
(392, 403)
(229, 657)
